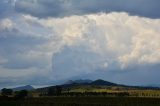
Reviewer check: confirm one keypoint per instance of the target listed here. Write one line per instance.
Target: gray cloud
(98, 45)
(6, 8)
(61, 8)
(77, 45)
(139, 75)
(18, 46)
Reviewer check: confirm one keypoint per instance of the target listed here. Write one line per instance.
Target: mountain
(100, 82)
(72, 84)
(27, 87)
(80, 81)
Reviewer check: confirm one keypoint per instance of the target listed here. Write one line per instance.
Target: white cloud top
(127, 39)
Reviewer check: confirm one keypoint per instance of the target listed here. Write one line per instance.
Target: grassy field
(132, 92)
(87, 95)
(83, 101)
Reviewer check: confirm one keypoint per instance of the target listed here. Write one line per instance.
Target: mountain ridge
(78, 81)
(98, 82)
(26, 87)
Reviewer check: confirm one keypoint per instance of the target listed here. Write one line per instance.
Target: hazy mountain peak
(103, 82)
(26, 87)
(79, 81)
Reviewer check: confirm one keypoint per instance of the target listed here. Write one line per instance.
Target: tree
(51, 91)
(6, 92)
(21, 94)
(58, 90)
(54, 91)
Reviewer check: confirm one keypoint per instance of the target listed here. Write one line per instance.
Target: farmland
(83, 94)
(131, 91)
(82, 101)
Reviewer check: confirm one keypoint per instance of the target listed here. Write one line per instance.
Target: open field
(83, 101)
(85, 94)
(131, 92)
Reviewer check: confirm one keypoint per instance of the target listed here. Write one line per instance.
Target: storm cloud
(61, 8)
(48, 41)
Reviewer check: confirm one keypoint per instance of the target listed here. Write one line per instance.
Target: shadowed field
(82, 101)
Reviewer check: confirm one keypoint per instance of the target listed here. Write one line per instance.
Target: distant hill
(102, 82)
(27, 87)
(71, 84)
(74, 83)
(98, 82)
(80, 81)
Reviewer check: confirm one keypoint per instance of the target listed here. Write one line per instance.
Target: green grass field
(132, 92)
(83, 101)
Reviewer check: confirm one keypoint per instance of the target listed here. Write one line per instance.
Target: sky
(45, 42)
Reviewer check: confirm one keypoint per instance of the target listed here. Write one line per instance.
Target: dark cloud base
(62, 8)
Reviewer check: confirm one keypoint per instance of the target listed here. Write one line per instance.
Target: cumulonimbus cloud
(113, 36)
(99, 41)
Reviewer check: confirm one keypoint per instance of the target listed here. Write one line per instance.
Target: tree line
(58, 91)
(5, 93)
